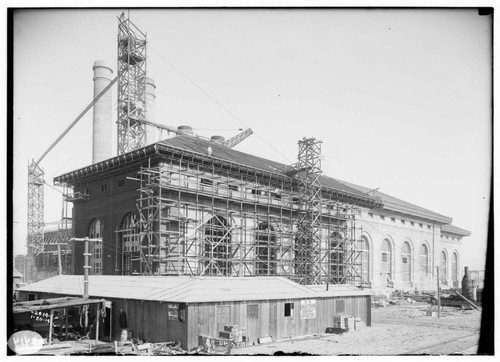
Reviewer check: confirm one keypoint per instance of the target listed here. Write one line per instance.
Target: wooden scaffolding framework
(203, 220)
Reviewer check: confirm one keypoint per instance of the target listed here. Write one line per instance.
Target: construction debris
(213, 346)
(449, 298)
(139, 348)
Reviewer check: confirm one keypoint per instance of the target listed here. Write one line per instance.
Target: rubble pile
(398, 297)
(139, 348)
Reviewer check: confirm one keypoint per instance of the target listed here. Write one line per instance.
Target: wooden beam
(51, 323)
(98, 306)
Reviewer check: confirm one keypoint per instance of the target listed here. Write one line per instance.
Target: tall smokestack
(152, 133)
(102, 124)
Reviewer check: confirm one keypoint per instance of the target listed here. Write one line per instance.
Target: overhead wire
(217, 102)
(167, 113)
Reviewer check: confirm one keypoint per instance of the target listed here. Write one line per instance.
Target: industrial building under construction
(188, 205)
(190, 237)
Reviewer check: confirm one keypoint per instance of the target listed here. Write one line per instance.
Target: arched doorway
(265, 251)
(130, 241)
(95, 232)
(217, 247)
(385, 262)
(423, 260)
(364, 249)
(443, 266)
(454, 269)
(336, 257)
(406, 262)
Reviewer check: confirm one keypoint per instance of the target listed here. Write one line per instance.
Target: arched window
(217, 247)
(336, 257)
(454, 269)
(265, 252)
(364, 256)
(443, 262)
(406, 262)
(95, 232)
(385, 261)
(423, 260)
(130, 242)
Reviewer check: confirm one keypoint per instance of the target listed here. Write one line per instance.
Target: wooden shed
(162, 309)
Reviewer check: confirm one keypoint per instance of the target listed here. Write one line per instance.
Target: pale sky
(400, 98)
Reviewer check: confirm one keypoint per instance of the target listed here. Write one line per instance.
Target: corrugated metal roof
(181, 289)
(452, 229)
(52, 303)
(339, 290)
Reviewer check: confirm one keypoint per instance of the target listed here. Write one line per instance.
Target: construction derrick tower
(35, 242)
(308, 239)
(131, 133)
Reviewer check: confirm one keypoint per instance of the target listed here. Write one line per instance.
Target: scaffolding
(35, 242)
(307, 256)
(132, 57)
(200, 219)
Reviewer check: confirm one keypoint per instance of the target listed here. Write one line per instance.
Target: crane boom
(233, 141)
(230, 143)
(94, 101)
(163, 127)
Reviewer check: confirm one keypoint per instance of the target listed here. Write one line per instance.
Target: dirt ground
(396, 329)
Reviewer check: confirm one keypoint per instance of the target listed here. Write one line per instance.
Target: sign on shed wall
(308, 309)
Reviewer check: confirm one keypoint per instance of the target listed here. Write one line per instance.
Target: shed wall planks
(149, 319)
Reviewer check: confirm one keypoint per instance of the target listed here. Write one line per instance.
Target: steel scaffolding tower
(131, 86)
(308, 238)
(35, 241)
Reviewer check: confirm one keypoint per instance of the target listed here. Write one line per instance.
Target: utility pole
(59, 258)
(438, 294)
(24, 268)
(86, 268)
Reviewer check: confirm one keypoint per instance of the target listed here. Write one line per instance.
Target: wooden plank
(51, 325)
(279, 319)
(369, 311)
(150, 321)
(210, 312)
(321, 315)
(98, 315)
(264, 319)
(163, 324)
(192, 323)
(273, 318)
(200, 318)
